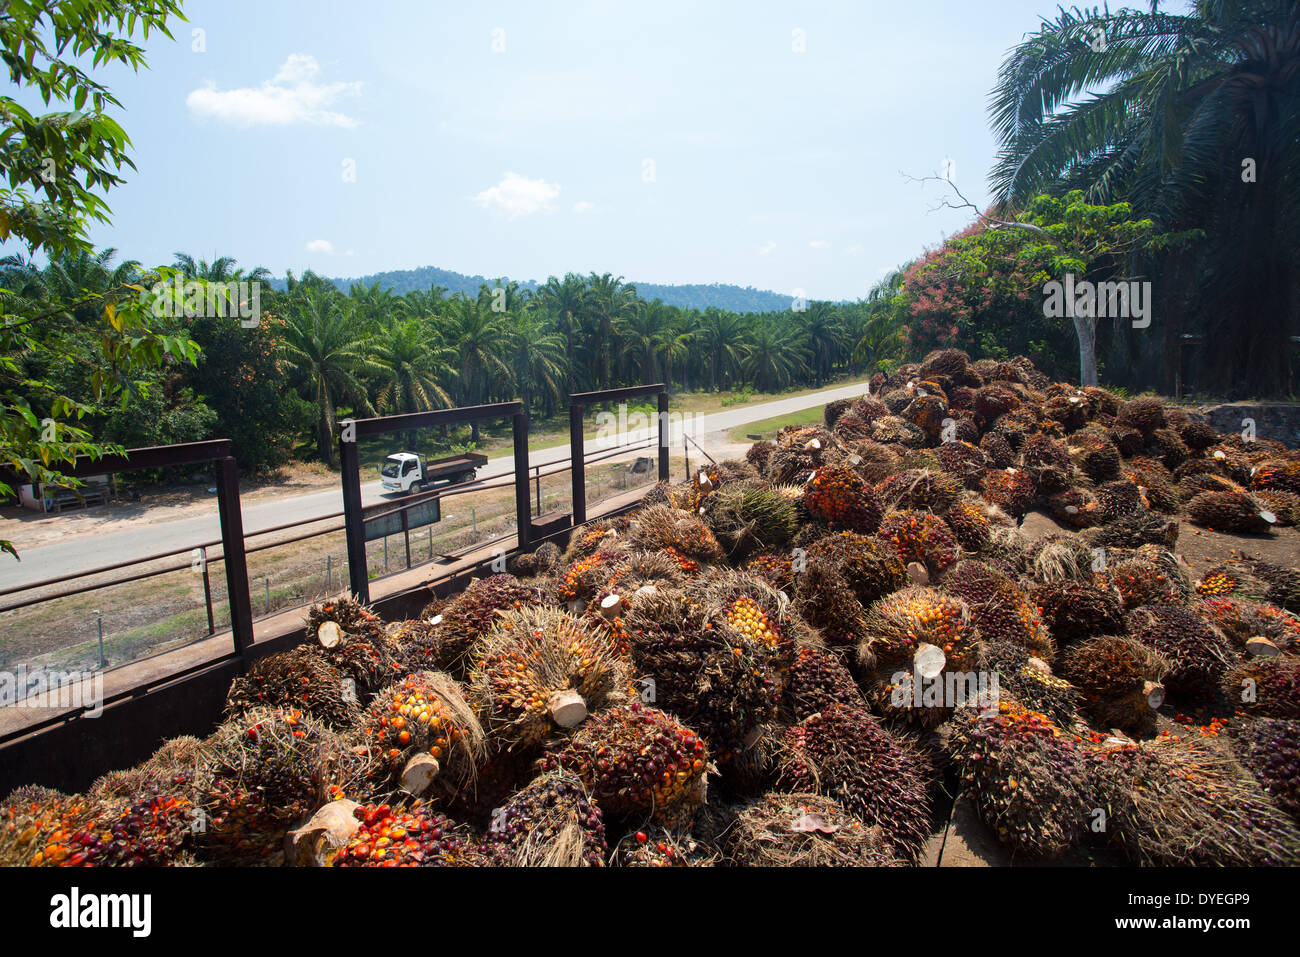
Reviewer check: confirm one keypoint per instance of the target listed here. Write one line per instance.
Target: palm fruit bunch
(776, 570)
(1192, 428)
(846, 754)
(1074, 609)
(999, 451)
(1282, 475)
(659, 569)
(1285, 506)
(260, 772)
(837, 496)
(1254, 579)
(424, 716)
(1133, 531)
(1120, 680)
(637, 762)
(1145, 413)
(542, 561)
(963, 460)
(750, 609)
(353, 619)
(1058, 558)
(419, 649)
(653, 846)
(1095, 454)
(720, 677)
(473, 612)
(1268, 687)
(922, 537)
(749, 517)
(1118, 499)
(1010, 489)
(796, 457)
(1026, 776)
(857, 423)
(1074, 508)
(817, 680)
(1240, 620)
(541, 669)
(898, 624)
(999, 608)
(895, 430)
(1030, 682)
(301, 678)
(1169, 447)
(662, 526)
(843, 573)
(144, 817)
(412, 837)
(590, 540)
(1185, 802)
(1230, 512)
(874, 463)
(1270, 749)
(39, 827)
(551, 822)
(1197, 654)
(995, 400)
(802, 829)
(969, 525)
(1047, 462)
(1142, 582)
(583, 580)
(922, 488)
(1155, 483)
(927, 412)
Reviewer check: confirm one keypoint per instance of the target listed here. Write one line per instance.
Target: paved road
(90, 551)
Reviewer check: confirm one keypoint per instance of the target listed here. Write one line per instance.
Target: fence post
(406, 534)
(207, 589)
(354, 521)
(577, 473)
(522, 519)
(663, 436)
(232, 542)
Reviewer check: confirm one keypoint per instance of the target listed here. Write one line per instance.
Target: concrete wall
(1273, 420)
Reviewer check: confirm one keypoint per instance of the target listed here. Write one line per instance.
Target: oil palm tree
(479, 336)
(612, 300)
(774, 356)
(722, 336)
(322, 345)
(1195, 119)
(536, 353)
(412, 368)
(568, 300)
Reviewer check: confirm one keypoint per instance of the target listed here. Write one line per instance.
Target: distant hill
(721, 295)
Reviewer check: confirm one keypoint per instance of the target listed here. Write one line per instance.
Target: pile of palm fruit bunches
(807, 657)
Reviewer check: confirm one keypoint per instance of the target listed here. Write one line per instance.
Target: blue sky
(664, 141)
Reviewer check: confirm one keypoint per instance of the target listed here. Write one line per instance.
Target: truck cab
(402, 471)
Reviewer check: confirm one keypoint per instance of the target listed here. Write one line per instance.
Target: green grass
(767, 428)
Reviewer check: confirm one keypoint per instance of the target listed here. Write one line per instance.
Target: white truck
(410, 472)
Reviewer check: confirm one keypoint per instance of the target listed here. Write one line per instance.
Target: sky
(756, 143)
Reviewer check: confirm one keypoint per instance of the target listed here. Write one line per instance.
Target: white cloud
(582, 206)
(320, 246)
(767, 247)
(854, 249)
(820, 244)
(518, 195)
(293, 96)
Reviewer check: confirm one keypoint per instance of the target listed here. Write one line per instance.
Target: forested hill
(722, 295)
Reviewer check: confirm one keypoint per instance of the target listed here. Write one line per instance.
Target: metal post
(473, 520)
(406, 534)
(576, 469)
(385, 554)
(232, 543)
(663, 437)
(207, 589)
(520, 430)
(329, 565)
(354, 522)
(267, 581)
(431, 543)
(537, 474)
(99, 623)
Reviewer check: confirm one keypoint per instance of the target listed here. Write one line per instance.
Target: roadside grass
(767, 428)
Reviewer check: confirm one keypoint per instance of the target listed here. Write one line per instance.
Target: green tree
(1192, 119)
(412, 368)
(324, 347)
